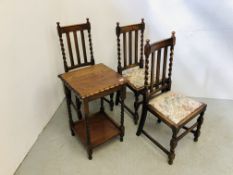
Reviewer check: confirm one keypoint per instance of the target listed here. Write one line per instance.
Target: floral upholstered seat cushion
(135, 76)
(174, 106)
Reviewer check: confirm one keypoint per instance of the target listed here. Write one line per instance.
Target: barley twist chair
(131, 37)
(173, 109)
(76, 36)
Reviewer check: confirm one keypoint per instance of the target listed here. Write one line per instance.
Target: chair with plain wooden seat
(132, 67)
(173, 109)
(76, 36)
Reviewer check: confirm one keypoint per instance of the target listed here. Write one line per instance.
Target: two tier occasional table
(89, 84)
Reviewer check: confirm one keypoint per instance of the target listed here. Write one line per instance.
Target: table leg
(122, 95)
(68, 103)
(88, 139)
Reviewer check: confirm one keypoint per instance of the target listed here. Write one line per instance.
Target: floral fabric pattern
(135, 76)
(174, 106)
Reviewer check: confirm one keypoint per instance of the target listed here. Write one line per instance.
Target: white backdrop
(31, 59)
(30, 89)
(204, 30)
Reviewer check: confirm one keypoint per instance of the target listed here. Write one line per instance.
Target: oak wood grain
(92, 80)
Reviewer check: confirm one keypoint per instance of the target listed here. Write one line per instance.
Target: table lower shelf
(101, 126)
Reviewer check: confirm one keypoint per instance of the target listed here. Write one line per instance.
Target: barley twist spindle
(62, 47)
(118, 49)
(141, 44)
(147, 54)
(171, 59)
(90, 42)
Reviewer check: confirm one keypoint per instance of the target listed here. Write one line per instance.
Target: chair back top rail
(76, 27)
(133, 27)
(162, 44)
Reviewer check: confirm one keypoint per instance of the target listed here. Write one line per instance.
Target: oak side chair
(131, 36)
(75, 36)
(174, 109)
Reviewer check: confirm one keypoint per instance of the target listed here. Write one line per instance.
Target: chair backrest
(157, 69)
(75, 42)
(130, 37)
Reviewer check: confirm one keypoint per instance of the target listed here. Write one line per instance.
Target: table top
(92, 80)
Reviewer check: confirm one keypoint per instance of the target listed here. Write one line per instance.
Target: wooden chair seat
(174, 107)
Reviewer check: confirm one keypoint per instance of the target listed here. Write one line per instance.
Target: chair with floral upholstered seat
(131, 65)
(174, 109)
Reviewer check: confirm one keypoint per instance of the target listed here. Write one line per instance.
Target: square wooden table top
(92, 80)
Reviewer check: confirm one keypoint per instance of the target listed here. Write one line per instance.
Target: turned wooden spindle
(199, 123)
(173, 144)
(62, 47)
(119, 68)
(171, 58)
(142, 43)
(147, 50)
(90, 42)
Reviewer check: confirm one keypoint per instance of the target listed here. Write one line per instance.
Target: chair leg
(89, 152)
(199, 123)
(78, 105)
(136, 105)
(173, 144)
(101, 105)
(122, 114)
(111, 101)
(142, 121)
(117, 98)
